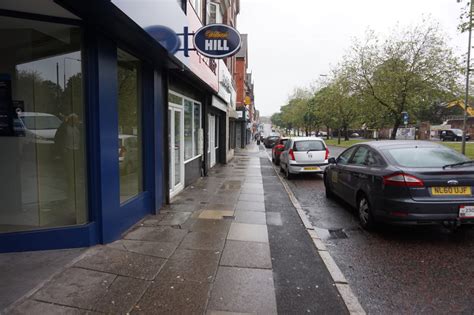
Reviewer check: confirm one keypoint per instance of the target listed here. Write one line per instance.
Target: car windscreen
(424, 156)
(41, 122)
(309, 145)
(458, 132)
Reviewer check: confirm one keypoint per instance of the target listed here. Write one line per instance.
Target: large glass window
(42, 160)
(130, 129)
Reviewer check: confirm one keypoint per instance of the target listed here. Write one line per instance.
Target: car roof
(385, 144)
(307, 138)
(28, 114)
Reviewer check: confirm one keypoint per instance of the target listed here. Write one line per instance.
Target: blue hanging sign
(217, 41)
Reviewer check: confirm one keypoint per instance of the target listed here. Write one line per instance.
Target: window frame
(194, 102)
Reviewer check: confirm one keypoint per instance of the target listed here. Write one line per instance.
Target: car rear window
(309, 145)
(425, 156)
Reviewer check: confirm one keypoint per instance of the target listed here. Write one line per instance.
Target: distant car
(404, 182)
(270, 141)
(303, 155)
(452, 135)
(355, 135)
(322, 134)
(37, 127)
(277, 149)
(128, 153)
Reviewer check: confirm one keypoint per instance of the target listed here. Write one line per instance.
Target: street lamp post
(468, 70)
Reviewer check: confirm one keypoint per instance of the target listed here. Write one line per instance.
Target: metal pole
(468, 65)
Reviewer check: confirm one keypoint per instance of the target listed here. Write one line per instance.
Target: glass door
(176, 150)
(212, 140)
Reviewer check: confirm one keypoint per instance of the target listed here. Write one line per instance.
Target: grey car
(404, 182)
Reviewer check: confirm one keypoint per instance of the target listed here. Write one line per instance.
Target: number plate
(312, 168)
(466, 212)
(451, 191)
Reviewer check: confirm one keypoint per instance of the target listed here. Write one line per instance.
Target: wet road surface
(396, 270)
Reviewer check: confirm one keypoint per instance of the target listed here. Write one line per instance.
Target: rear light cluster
(291, 154)
(402, 180)
(327, 154)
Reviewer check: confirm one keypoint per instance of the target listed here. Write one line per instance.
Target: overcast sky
(291, 43)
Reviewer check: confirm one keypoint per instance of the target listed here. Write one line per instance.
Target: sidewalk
(206, 253)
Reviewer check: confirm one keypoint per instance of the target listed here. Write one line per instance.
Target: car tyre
(273, 159)
(329, 192)
(288, 175)
(364, 211)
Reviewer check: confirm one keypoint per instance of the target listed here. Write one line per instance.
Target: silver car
(303, 155)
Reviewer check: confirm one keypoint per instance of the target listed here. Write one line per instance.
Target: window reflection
(43, 157)
(130, 136)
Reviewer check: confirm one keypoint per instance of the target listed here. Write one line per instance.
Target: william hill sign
(217, 41)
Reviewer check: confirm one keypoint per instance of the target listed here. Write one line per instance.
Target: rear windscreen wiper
(458, 164)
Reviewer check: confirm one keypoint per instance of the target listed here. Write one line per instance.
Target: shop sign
(217, 41)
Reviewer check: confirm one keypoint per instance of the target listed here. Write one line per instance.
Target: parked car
(405, 182)
(303, 155)
(128, 153)
(37, 127)
(452, 135)
(277, 149)
(270, 141)
(355, 135)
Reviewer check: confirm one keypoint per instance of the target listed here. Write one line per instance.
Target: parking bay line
(350, 300)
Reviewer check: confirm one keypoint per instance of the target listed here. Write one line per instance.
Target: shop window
(130, 127)
(42, 160)
(188, 130)
(197, 127)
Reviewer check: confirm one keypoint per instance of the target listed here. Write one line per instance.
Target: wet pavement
(230, 243)
(393, 270)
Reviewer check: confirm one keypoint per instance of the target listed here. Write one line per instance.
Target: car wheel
(364, 210)
(273, 158)
(281, 169)
(288, 175)
(277, 161)
(329, 192)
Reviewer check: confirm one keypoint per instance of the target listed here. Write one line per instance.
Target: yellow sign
(247, 100)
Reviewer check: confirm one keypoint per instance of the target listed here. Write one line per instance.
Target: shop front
(83, 105)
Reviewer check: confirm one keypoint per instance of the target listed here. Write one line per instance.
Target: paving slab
(123, 263)
(209, 226)
(250, 206)
(159, 234)
(36, 307)
(178, 297)
(248, 232)
(253, 191)
(174, 218)
(243, 290)
(157, 249)
(252, 217)
(76, 287)
(193, 265)
(251, 197)
(219, 206)
(203, 240)
(121, 296)
(215, 214)
(246, 255)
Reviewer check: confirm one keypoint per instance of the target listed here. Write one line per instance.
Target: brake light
(291, 154)
(402, 180)
(327, 154)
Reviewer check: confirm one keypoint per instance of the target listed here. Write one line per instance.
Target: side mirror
(332, 160)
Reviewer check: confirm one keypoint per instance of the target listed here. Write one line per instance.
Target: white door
(212, 140)
(176, 149)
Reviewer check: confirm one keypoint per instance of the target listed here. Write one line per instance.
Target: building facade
(102, 121)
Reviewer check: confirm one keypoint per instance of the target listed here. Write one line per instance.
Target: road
(394, 269)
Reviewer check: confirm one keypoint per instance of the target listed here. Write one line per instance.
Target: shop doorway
(212, 140)
(176, 149)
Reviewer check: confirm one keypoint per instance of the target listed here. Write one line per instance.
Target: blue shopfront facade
(84, 75)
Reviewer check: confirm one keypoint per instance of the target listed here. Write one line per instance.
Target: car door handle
(359, 175)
